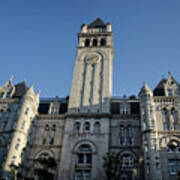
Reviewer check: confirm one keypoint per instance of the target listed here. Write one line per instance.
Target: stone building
(67, 138)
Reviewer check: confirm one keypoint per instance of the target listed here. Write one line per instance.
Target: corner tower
(92, 79)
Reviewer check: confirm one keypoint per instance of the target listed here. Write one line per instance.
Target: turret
(145, 91)
(149, 133)
(26, 115)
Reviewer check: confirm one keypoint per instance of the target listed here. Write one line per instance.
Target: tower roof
(98, 23)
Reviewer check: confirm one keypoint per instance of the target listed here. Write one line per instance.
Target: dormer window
(1, 94)
(170, 92)
(53, 110)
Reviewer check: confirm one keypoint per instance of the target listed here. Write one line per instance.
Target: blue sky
(38, 41)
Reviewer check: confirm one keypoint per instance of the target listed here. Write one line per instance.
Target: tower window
(103, 42)
(86, 126)
(77, 127)
(94, 42)
(87, 42)
(97, 127)
(85, 155)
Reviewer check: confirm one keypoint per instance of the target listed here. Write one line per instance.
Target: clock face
(92, 58)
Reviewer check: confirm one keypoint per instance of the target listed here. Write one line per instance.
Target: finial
(11, 77)
(170, 73)
(38, 91)
(144, 83)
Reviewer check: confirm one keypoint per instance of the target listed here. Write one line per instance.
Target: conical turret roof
(145, 89)
(30, 91)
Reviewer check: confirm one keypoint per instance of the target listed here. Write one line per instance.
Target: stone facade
(67, 138)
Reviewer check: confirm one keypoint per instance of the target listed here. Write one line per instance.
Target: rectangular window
(26, 111)
(44, 141)
(82, 175)
(172, 168)
(87, 175)
(51, 141)
(121, 141)
(80, 158)
(23, 124)
(17, 146)
(78, 175)
(88, 158)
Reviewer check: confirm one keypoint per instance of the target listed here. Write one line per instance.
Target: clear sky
(38, 41)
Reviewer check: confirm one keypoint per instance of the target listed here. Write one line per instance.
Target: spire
(8, 83)
(170, 73)
(37, 96)
(171, 80)
(11, 77)
(30, 91)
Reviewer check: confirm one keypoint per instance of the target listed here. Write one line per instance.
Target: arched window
(84, 155)
(166, 119)
(87, 42)
(83, 163)
(127, 161)
(87, 126)
(77, 127)
(44, 156)
(97, 127)
(103, 42)
(95, 42)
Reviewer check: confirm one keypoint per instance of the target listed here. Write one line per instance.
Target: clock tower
(92, 79)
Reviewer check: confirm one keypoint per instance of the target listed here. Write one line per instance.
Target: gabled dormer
(167, 87)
